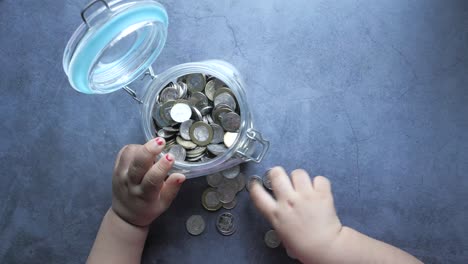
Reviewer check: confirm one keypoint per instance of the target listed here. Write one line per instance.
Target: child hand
(302, 214)
(140, 191)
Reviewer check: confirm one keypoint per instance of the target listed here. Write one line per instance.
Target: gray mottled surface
(372, 94)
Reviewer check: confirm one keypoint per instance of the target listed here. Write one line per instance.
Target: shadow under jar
(117, 44)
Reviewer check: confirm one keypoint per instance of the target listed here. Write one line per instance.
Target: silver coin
(165, 134)
(160, 121)
(216, 149)
(271, 239)
(170, 129)
(226, 192)
(178, 152)
(185, 129)
(231, 204)
(165, 111)
(240, 182)
(206, 110)
(266, 180)
(229, 139)
(201, 133)
(232, 172)
(227, 99)
(230, 121)
(251, 181)
(199, 100)
(196, 152)
(196, 113)
(181, 112)
(210, 119)
(218, 134)
(217, 112)
(195, 225)
(169, 94)
(196, 82)
(214, 180)
(195, 159)
(226, 224)
(182, 89)
(186, 144)
(210, 89)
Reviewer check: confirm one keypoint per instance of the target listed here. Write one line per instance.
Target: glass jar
(118, 42)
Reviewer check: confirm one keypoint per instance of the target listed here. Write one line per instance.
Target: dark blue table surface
(372, 94)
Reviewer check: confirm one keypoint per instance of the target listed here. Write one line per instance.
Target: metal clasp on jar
(248, 150)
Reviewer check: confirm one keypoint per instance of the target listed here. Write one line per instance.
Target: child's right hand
(303, 213)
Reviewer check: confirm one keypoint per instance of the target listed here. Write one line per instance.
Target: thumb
(170, 189)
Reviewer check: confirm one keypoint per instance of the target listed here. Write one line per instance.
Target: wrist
(124, 226)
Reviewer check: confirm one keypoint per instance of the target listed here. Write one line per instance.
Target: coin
(181, 112)
(229, 139)
(231, 204)
(182, 89)
(206, 110)
(230, 121)
(201, 133)
(217, 111)
(196, 152)
(226, 191)
(199, 100)
(214, 180)
(210, 119)
(251, 181)
(165, 111)
(165, 134)
(216, 149)
(196, 82)
(240, 182)
(232, 172)
(169, 94)
(210, 89)
(218, 134)
(271, 239)
(195, 225)
(266, 180)
(196, 113)
(227, 99)
(186, 144)
(210, 200)
(225, 224)
(178, 152)
(185, 129)
(171, 129)
(224, 90)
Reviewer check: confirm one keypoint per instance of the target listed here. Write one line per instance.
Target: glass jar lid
(116, 43)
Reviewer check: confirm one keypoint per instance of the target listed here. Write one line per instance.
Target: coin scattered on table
(225, 224)
(232, 172)
(231, 204)
(253, 179)
(210, 200)
(271, 239)
(266, 180)
(195, 225)
(197, 110)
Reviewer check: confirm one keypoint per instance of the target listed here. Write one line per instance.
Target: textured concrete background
(372, 94)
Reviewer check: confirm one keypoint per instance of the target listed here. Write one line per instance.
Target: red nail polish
(168, 158)
(159, 141)
(179, 181)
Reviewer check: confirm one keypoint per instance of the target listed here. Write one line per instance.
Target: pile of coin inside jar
(222, 191)
(198, 116)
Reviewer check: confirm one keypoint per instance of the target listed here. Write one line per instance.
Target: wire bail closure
(89, 6)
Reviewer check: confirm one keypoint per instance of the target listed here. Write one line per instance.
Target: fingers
(170, 189)
(142, 158)
(322, 184)
(280, 182)
(262, 200)
(301, 180)
(154, 179)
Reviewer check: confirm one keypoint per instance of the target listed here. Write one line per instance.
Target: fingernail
(180, 181)
(169, 157)
(159, 141)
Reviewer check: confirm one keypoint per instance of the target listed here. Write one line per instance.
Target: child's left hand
(140, 191)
